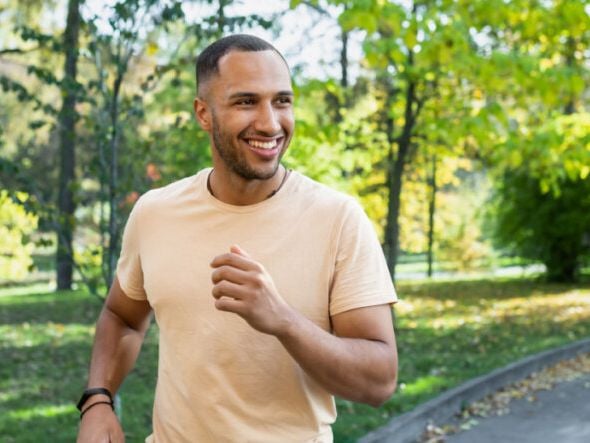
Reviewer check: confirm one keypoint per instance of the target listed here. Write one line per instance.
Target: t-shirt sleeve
(129, 271)
(361, 277)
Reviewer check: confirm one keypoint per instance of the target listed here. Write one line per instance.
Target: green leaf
(355, 18)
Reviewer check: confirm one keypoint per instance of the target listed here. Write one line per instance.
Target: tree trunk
(562, 262)
(113, 249)
(67, 134)
(395, 170)
(334, 102)
(344, 59)
(431, 211)
(221, 17)
(570, 60)
(395, 173)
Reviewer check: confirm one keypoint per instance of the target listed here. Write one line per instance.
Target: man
(270, 291)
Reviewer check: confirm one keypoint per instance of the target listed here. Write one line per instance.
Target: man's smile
(267, 149)
(263, 145)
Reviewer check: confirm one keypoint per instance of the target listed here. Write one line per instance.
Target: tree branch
(18, 50)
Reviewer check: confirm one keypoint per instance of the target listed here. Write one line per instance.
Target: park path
(560, 415)
(546, 408)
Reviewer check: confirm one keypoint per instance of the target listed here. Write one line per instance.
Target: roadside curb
(408, 427)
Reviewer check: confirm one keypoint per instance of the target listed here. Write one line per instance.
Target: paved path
(561, 415)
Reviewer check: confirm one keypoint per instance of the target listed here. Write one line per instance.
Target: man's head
(245, 104)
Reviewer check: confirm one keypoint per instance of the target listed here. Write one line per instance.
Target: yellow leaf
(152, 48)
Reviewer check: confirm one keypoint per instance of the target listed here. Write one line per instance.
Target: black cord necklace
(287, 172)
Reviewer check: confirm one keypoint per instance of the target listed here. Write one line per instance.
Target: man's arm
(120, 330)
(358, 363)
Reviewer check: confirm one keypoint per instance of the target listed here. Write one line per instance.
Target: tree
(67, 152)
(553, 228)
(414, 50)
(30, 89)
(541, 50)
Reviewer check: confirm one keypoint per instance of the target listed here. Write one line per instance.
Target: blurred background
(462, 127)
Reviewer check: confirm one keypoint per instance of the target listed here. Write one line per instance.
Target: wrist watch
(93, 391)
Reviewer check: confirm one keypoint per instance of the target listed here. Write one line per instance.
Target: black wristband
(110, 403)
(93, 391)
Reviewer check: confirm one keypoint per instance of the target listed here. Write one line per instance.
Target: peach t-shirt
(219, 380)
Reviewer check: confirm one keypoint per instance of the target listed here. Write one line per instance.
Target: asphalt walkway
(560, 415)
(546, 397)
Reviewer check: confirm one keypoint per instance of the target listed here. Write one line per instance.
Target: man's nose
(267, 120)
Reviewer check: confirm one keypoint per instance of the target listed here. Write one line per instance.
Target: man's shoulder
(172, 193)
(320, 194)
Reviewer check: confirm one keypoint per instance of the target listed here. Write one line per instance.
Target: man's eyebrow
(244, 94)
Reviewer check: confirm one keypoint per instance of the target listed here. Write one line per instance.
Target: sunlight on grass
(437, 313)
(563, 306)
(50, 297)
(47, 411)
(6, 396)
(41, 288)
(36, 334)
(421, 385)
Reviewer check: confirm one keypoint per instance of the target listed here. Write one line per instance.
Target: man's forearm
(115, 350)
(356, 369)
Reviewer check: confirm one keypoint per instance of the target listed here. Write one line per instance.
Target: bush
(16, 227)
(551, 227)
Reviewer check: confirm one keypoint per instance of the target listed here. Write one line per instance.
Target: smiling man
(270, 291)
(245, 103)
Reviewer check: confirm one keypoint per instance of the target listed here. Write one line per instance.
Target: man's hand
(241, 285)
(100, 425)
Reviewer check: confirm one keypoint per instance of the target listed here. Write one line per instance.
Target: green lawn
(447, 333)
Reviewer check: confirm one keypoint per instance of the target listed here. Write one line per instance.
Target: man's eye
(245, 101)
(284, 100)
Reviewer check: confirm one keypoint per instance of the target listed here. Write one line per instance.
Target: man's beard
(234, 157)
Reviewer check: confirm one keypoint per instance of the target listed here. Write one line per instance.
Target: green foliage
(170, 137)
(553, 228)
(492, 79)
(16, 227)
(347, 140)
(557, 151)
(459, 226)
(535, 74)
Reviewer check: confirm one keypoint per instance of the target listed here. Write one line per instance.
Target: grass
(447, 333)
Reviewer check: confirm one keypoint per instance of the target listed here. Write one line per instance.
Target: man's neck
(232, 189)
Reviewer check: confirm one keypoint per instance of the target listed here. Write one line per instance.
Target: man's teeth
(262, 145)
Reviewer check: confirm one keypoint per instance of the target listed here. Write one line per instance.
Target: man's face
(248, 111)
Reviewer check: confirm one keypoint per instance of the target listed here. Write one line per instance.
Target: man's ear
(202, 113)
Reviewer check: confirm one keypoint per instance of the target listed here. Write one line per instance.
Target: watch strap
(93, 391)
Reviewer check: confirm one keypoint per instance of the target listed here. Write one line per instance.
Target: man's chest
(177, 274)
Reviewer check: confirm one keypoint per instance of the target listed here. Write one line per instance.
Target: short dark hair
(208, 61)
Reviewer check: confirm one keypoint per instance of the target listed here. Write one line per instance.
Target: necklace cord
(287, 172)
